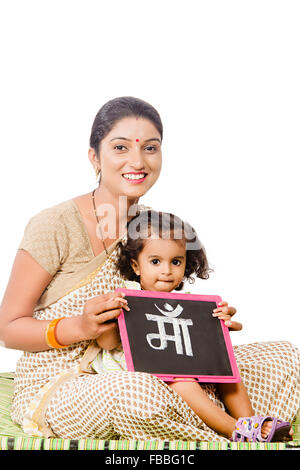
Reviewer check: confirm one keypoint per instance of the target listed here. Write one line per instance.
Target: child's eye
(177, 262)
(155, 261)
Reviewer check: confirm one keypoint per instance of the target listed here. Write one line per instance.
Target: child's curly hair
(162, 225)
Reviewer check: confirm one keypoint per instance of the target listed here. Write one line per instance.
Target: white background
(224, 76)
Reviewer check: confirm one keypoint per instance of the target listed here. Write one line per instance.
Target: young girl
(160, 253)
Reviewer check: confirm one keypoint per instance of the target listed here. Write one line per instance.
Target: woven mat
(13, 438)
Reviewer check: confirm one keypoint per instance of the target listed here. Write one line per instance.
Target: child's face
(161, 264)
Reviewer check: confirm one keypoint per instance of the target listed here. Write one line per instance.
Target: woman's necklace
(98, 221)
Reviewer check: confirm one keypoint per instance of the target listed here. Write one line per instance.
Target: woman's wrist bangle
(50, 334)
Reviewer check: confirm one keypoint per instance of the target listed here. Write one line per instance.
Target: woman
(66, 300)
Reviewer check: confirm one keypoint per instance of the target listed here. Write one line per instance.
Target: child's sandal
(249, 429)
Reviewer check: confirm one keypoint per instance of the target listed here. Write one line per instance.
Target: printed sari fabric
(57, 393)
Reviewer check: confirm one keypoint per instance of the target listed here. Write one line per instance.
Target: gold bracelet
(50, 334)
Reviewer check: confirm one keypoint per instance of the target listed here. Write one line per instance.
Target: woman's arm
(18, 330)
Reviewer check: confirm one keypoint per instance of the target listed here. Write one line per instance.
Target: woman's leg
(270, 373)
(132, 405)
(124, 405)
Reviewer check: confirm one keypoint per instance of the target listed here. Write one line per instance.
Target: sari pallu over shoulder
(82, 276)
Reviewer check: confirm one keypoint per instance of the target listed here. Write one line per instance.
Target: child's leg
(204, 407)
(236, 399)
(237, 402)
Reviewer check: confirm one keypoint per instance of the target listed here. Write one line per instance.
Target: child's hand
(224, 312)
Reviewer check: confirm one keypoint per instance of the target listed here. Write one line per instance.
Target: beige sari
(58, 394)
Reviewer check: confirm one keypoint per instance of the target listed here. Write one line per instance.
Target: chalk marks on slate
(180, 329)
(170, 311)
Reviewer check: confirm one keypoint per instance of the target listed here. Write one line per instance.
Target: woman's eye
(155, 261)
(149, 147)
(119, 146)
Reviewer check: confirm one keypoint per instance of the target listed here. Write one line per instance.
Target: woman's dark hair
(117, 109)
(165, 226)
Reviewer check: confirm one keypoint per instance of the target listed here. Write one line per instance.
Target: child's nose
(166, 268)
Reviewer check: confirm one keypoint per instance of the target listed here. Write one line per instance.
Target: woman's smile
(134, 177)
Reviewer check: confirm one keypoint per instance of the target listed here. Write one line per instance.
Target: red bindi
(137, 140)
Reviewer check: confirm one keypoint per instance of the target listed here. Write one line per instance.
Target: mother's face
(130, 158)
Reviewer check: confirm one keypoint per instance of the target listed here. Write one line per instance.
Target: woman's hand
(99, 312)
(224, 312)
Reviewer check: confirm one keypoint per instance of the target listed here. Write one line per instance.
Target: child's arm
(110, 339)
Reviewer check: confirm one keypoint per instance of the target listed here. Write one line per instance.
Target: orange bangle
(50, 334)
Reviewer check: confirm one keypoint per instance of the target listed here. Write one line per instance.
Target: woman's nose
(136, 159)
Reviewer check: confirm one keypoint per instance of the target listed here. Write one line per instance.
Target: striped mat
(13, 438)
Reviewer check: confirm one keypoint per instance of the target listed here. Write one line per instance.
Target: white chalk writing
(178, 325)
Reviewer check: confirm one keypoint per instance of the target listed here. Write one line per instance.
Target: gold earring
(97, 172)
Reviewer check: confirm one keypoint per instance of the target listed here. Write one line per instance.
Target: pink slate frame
(234, 378)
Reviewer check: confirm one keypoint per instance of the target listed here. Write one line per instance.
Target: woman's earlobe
(95, 162)
(97, 171)
(93, 158)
